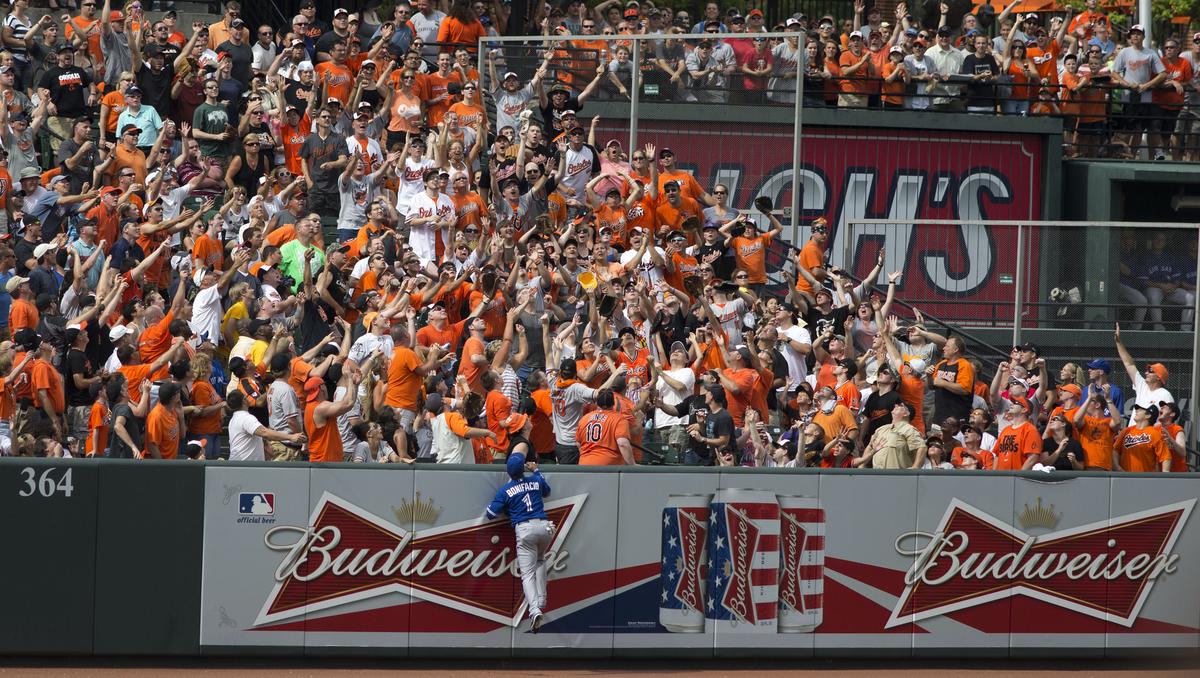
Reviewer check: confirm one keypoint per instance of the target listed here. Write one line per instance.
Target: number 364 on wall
(47, 484)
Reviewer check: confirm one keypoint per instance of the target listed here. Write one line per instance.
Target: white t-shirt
(206, 314)
(672, 396)
(244, 445)
(424, 238)
(579, 168)
(411, 182)
(646, 267)
(1145, 396)
(797, 367)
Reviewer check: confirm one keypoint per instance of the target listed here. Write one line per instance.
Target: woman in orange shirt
(834, 71)
(461, 28)
(1021, 69)
(408, 109)
(111, 106)
(895, 80)
(204, 414)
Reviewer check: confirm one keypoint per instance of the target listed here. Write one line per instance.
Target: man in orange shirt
(164, 427)
(1173, 436)
(404, 379)
(676, 209)
(750, 252)
(688, 186)
(858, 73)
(336, 75)
(1098, 420)
(22, 314)
(46, 387)
(812, 258)
(1019, 445)
(847, 392)
(740, 381)
(474, 360)
(1140, 447)
(603, 435)
(321, 414)
(834, 418)
(437, 95)
(1169, 95)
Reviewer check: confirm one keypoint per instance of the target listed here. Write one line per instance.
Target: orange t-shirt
(437, 86)
(1178, 461)
(469, 115)
(497, 407)
(97, 428)
(912, 391)
(1096, 437)
(293, 138)
(156, 339)
(1178, 70)
(858, 82)
(751, 256)
(689, 188)
(404, 383)
(162, 429)
(811, 257)
(282, 235)
(447, 337)
(204, 395)
(135, 375)
(985, 461)
(43, 376)
(849, 396)
(494, 318)
(1015, 444)
(116, 103)
(324, 443)
(84, 27)
(22, 315)
(1045, 62)
(542, 435)
(107, 222)
(597, 434)
(1142, 450)
(134, 160)
(836, 422)
(467, 368)
(208, 253)
(670, 217)
(747, 380)
(893, 92)
(340, 79)
(469, 208)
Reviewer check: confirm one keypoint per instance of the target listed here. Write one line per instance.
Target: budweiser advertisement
(854, 173)
(648, 562)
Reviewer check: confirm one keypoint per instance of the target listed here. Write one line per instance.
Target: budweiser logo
(743, 542)
(1105, 569)
(348, 554)
(692, 533)
(792, 536)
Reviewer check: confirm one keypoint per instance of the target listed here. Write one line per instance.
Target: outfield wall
(176, 558)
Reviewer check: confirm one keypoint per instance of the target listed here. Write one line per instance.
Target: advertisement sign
(853, 173)
(722, 563)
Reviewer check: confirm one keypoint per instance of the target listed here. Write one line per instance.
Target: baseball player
(521, 497)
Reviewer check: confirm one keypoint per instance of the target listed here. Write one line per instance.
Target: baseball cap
(43, 249)
(15, 282)
(116, 15)
(118, 331)
(433, 403)
(515, 466)
(130, 128)
(1160, 370)
(917, 365)
(911, 32)
(1100, 364)
(944, 30)
(793, 22)
(238, 23)
(341, 10)
(1073, 389)
(1153, 410)
(856, 34)
(1031, 17)
(631, 13)
(896, 49)
(312, 388)
(1022, 401)
(510, 74)
(678, 346)
(1137, 27)
(754, 12)
(1029, 346)
(133, 91)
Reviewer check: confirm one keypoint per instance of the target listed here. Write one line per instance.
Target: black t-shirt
(553, 116)
(878, 410)
(712, 425)
(242, 56)
(77, 363)
(117, 449)
(23, 250)
(156, 88)
(948, 404)
(328, 39)
(723, 264)
(1063, 463)
(68, 90)
(981, 94)
(818, 320)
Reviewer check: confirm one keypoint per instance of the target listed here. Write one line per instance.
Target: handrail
(968, 350)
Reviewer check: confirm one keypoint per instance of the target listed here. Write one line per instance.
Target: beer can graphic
(743, 561)
(684, 563)
(801, 564)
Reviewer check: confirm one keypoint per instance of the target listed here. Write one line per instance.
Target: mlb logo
(256, 503)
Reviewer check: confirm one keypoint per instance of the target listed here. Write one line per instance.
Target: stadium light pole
(635, 95)
(797, 127)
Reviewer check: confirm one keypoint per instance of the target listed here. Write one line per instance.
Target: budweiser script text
(314, 553)
(939, 558)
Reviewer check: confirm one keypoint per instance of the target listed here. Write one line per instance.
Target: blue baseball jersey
(522, 499)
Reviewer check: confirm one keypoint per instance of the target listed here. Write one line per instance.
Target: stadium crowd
(170, 289)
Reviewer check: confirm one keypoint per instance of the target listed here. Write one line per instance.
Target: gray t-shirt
(283, 405)
(317, 151)
(1137, 66)
(355, 195)
(568, 409)
(510, 104)
(117, 57)
(83, 171)
(22, 152)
